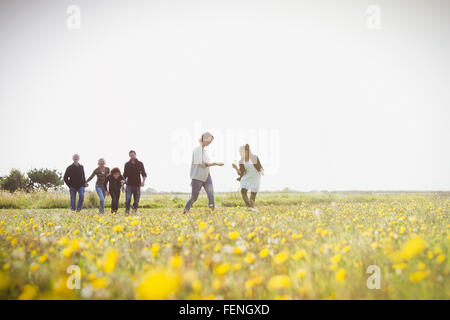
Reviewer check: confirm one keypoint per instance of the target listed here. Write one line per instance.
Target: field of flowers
(305, 250)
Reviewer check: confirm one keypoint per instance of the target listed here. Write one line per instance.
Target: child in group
(116, 182)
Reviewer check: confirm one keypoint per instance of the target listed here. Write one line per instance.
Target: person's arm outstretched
(91, 176)
(212, 164)
(199, 159)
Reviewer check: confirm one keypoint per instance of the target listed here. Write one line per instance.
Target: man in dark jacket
(76, 181)
(132, 173)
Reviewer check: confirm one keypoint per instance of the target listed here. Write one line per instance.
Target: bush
(16, 180)
(45, 179)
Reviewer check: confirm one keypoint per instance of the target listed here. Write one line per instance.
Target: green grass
(61, 199)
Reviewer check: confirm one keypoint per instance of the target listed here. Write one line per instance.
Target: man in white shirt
(200, 174)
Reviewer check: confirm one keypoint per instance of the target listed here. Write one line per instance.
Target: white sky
(327, 103)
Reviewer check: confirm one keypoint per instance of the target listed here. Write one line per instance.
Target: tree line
(34, 179)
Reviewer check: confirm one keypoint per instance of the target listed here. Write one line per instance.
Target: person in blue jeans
(132, 173)
(200, 175)
(76, 181)
(102, 171)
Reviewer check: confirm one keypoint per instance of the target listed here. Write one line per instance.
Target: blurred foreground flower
(158, 284)
(410, 249)
(111, 260)
(279, 282)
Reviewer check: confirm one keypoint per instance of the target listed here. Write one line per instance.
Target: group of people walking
(109, 182)
(113, 182)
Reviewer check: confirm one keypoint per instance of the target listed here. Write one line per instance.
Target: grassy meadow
(298, 246)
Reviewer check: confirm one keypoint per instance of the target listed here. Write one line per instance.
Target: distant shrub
(45, 179)
(16, 180)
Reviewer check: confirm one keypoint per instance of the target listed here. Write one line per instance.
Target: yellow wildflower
(158, 285)
(281, 257)
(341, 274)
(264, 253)
(111, 260)
(233, 235)
(279, 282)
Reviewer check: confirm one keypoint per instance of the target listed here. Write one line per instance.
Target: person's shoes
(185, 212)
(135, 211)
(252, 209)
(127, 212)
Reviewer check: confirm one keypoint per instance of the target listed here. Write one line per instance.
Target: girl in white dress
(249, 171)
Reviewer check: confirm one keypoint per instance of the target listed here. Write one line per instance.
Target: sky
(331, 95)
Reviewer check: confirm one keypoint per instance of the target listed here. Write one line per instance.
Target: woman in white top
(200, 173)
(249, 171)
